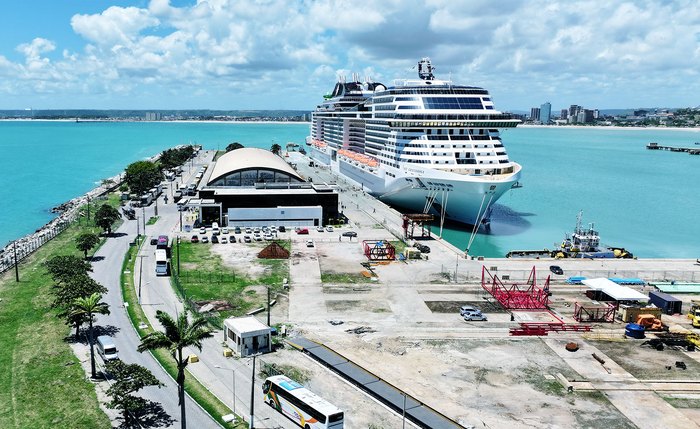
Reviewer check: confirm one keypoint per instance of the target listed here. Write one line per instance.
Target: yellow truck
(694, 313)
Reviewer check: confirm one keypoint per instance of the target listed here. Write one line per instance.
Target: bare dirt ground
(243, 257)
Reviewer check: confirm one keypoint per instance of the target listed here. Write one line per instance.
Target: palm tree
(89, 306)
(178, 334)
(275, 148)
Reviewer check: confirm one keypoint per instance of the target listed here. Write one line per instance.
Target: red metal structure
(594, 313)
(543, 329)
(516, 297)
(379, 250)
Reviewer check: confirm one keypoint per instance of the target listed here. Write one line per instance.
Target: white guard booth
(247, 335)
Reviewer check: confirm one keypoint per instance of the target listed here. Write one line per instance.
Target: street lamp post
(140, 274)
(178, 255)
(403, 414)
(233, 379)
(143, 211)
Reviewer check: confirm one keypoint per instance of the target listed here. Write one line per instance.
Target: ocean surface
(646, 201)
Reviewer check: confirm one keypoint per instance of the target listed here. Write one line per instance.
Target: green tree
(87, 308)
(105, 217)
(142, 176)
(275, 148)
(234, 146)
(171, 158)
(128, 379)
(65, 267)
(71, 281)
(86, 241)
(178, 334)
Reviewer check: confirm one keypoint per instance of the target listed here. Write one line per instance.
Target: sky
(285, 54)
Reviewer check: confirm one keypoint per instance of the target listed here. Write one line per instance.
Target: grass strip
(42, 383)
(152, 220)
(207, 400)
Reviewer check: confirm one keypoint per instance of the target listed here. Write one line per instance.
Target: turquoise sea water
(646, 201)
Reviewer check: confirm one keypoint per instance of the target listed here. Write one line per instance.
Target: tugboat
(585, 243)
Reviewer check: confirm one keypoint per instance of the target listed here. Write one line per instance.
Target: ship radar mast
(425, 69)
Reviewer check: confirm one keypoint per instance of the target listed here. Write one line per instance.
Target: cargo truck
(694, 313)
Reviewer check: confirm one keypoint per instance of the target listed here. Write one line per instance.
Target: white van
(106, 348)
(215, 228)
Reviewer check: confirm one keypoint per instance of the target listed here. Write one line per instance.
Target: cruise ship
(423, 145)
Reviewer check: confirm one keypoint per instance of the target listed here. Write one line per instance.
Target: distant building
(154, 116)
(535, 114)
(564, 114)
(596, 114)
(584, 116)
(546, 113)
(640, 112)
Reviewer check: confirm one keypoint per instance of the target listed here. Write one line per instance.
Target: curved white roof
(250, 157)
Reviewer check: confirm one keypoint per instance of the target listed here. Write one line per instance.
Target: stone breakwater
(69, 212)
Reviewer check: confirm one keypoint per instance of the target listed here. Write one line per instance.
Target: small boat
(585, 243)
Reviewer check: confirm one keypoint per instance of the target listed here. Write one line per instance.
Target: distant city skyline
(277, 54)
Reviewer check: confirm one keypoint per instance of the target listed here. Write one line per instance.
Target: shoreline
(258, 122)
(132, 121)
(611, 127)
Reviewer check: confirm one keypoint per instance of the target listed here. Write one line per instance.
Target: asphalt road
(117, 324)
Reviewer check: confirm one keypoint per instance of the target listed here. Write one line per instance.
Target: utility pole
(180, 220)
(403, 414)
(156, 206)
(143, 211)
(88, 208)
(268, 306)
(16, 262)
(252, 395)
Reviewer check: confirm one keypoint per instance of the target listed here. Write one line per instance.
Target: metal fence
(459, 275)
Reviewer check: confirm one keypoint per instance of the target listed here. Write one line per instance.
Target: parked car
(194, 239)
(268, 237)
(224, 240)
(309, 243)
(205, 239)
(349, 234)
(329, 228)
(232, 239)
(471, 317)
(214, 239)
(247, 238)
(237, 230)
(248, 230)
(258, 237)
(556, 269)
(224, 230)
(202, 230)
(282, 228)
(154, 241)
(468, 309)
(303, 231)
(320, 229)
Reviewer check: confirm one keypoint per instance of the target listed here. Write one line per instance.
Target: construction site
(589, 352)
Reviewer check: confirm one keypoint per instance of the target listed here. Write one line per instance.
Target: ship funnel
(425, 69)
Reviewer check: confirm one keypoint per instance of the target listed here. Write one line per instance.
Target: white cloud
(229, 52)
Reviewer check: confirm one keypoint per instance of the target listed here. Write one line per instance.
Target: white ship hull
(464, 199)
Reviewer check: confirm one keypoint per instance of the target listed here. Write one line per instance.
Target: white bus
(162, 265)
(301, 405)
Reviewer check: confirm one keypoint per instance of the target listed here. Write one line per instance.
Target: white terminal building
(255, 187)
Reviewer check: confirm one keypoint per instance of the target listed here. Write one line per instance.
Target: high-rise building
(546, 113)
(564, 113)
(535, 114)
(596, 114)
(574, 110)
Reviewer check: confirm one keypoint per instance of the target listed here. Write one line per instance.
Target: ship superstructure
(425, 144)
